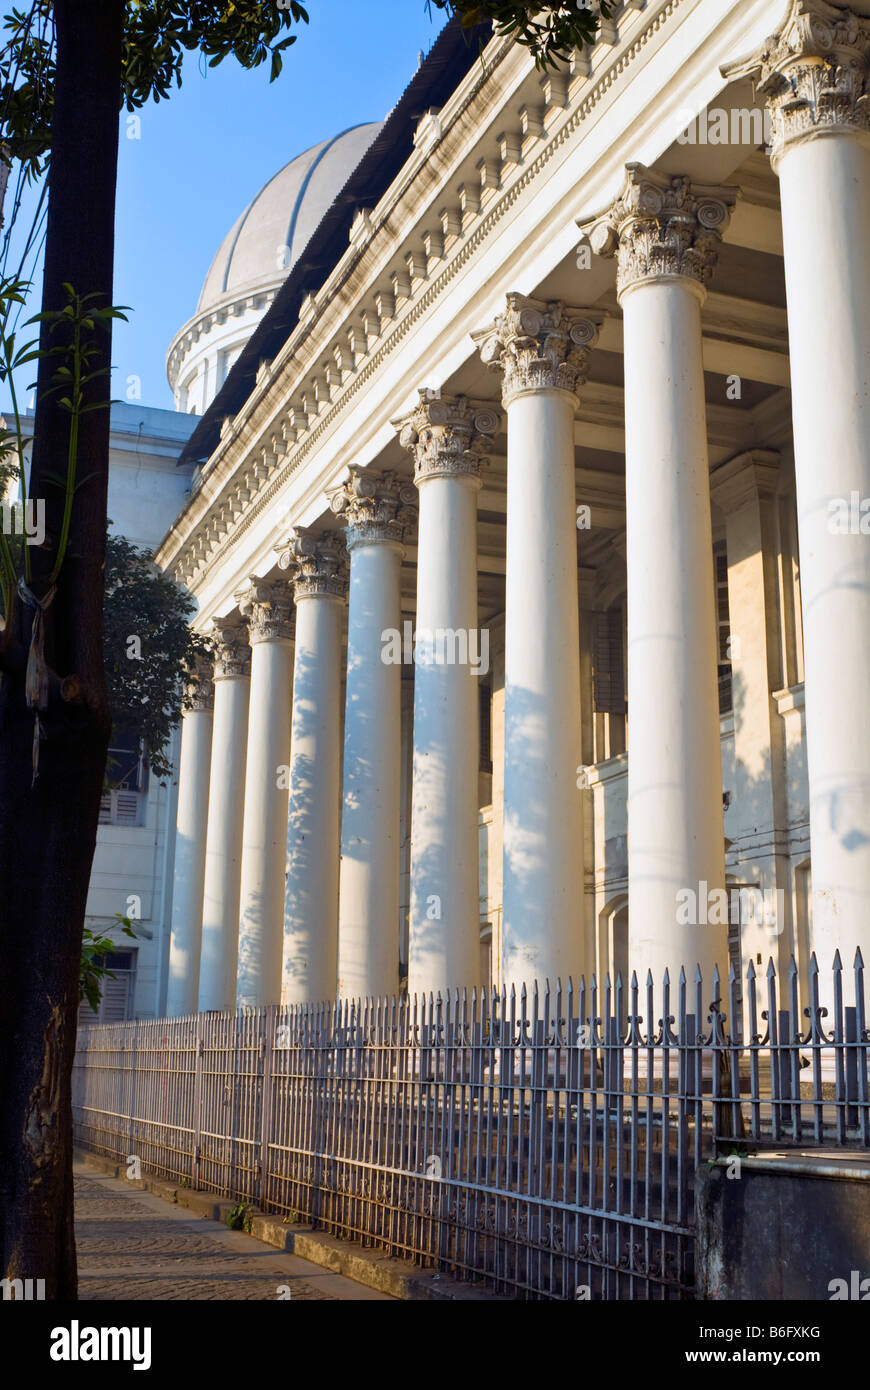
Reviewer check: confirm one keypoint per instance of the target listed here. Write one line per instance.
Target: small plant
(291, 1218)
(239, 1217)
(92, 971)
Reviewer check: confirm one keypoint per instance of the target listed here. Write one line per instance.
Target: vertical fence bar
(197, 1103)
(268, 1043)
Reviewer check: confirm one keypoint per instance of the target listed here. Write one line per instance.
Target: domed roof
(263, 244)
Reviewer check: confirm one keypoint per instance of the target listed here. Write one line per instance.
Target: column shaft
(446, 436)
(223, 855)
(541, 350)
(310, 950)
(825, 193)
(542, 933)
(377, 508)
(264, 837)
(665, 233)
(187, 888)
(443, 949)
(675, 827)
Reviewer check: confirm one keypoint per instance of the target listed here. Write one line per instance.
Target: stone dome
(263, 244)
(254, 259)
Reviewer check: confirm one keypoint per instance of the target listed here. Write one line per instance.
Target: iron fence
(542, 1144)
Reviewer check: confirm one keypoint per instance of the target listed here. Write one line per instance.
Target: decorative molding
(232, 651)
(661, 227)
(447, 435)
(377, 507)
(812, 74)
(267, 608)
(539, 346)
(317, 563)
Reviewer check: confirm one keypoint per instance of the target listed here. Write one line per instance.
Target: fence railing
(544, 1144)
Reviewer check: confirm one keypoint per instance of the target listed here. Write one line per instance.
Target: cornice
(252, 463)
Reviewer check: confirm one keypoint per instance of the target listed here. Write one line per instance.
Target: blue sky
(204, 153)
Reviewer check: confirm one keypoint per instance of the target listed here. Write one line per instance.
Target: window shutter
(116, 993)
(608, 665)
(485, 725)
(127, 808)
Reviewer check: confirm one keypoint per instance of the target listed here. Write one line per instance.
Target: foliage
(150, 651)
(27, 87)
(239, 1216)
(550, 31)
(157, 34)
(93, 970)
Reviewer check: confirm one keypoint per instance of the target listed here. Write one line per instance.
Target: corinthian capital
(199, 691)
(447, 435)
(539, 346)
(661, 228)
(375, 506)
(812, 74)
(317, 563)
(267, 608)
(232, 651)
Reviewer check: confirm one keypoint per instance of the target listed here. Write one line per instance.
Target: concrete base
(783, 1226)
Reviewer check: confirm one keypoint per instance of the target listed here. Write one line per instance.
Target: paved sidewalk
(132, 1245)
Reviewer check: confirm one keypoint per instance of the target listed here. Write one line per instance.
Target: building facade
(532, 524)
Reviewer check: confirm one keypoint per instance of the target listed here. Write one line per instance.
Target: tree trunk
(48, 829)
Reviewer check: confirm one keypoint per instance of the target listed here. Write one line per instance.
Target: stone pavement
(132, 1245)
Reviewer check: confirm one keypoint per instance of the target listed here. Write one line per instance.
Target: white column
(745, 490)
(665, 234)
(267, 607)
(310, 950)
(226, 804)
(542, 350)
(815, 81)
(378, 509)
(446, 439)
(193, 779)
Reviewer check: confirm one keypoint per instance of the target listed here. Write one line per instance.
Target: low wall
(783, 1226)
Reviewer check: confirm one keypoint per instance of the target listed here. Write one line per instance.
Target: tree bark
(48, 829)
